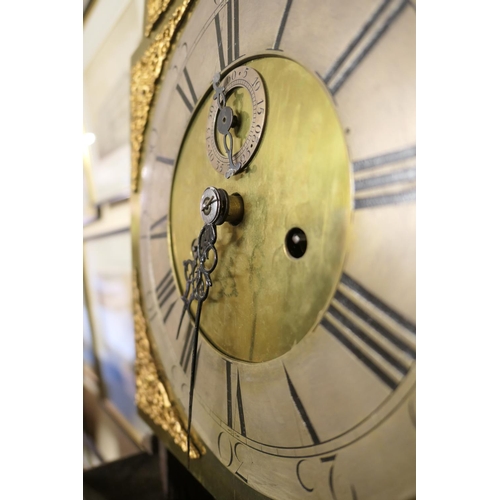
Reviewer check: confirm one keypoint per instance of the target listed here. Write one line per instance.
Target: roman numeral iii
(375, 334)
(386, 179)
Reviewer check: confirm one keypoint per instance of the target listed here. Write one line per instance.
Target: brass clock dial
(305, 380)
(256, 311)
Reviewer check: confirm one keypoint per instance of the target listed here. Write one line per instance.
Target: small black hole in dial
(296, 242)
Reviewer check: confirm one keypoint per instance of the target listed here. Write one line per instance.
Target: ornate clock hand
(219, 96)
(189, 271)
(216, 207)
(201, 284)
(225, 121)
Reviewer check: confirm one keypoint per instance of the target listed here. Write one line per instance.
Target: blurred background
(112, 429)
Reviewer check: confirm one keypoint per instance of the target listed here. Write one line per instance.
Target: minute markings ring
(249, 79)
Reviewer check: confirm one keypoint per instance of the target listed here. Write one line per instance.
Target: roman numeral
(229, 395)
(282, 25)
(387, 179)
(150, 307)
(166, 161)
(191, 100)
(239, 400)
(233, 34)
(164, 291)
(160, 223)
(301, 409)
(165, 288)
(374, 333)
(363, 43)
(169, 310)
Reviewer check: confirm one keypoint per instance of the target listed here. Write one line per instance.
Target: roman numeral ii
(232, 44)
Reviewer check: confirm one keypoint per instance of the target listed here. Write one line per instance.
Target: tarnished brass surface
(154, 9)
(263, 302)
(151, 395)
(145, 74)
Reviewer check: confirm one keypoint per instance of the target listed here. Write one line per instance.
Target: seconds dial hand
(225, 121)
(216, 207)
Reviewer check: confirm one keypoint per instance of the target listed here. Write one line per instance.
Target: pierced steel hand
(216, 207)
(225, 121)
(198, 283)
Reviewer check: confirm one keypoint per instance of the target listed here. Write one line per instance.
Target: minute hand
(216, 207)
(200, 288)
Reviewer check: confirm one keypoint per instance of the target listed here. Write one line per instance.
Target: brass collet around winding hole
(235, 209)
(217, 207)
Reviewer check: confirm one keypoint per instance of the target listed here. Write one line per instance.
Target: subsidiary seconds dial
(244, 79)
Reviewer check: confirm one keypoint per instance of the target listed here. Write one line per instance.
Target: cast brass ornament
(145, 74)
(151, 395)
(154, 9)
